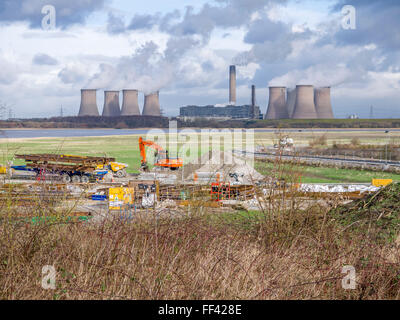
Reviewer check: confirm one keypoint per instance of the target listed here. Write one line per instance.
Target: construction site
(157, 215)
(219, 178)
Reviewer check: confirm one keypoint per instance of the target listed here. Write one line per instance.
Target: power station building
(277, 104)
(152, 104)
(229, 111)
(130, 104)
(303, 102)
(221, 113)
(111, 104)
(88, 103)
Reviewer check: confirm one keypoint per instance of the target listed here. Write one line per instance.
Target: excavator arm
(142, 148)
(163, 159)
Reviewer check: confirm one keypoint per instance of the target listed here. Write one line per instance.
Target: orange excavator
(162, 158)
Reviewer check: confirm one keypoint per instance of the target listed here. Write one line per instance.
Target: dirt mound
(231, 167)
(376, 215)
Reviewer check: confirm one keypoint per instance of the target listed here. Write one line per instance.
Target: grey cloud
(178, 46)
(224, 14)
(115, 24)
(266, 30)
(71, 74)
(44, 59)
(145, 70)
(67, 11)
(377, 22)
(230, 13)
(143, 21)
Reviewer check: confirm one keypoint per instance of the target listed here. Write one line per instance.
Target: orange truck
(162, 159)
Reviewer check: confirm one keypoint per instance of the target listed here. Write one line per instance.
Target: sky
(183, 48)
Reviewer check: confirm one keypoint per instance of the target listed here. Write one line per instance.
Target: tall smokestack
(277, 104)
(232, 85)
(88, 103)
(304, 107)
(130, 104)
(290, 101)
(253, 95)
(152, 105)
(111, 104)
(322, 100)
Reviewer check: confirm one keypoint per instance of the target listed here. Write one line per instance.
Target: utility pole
(61, 112)
(371, 112)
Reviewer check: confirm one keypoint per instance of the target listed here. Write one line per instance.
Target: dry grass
(281, 253)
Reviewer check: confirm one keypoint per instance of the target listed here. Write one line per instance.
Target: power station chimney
(253, 95)
(152, 105)
(111, 104)
(290, 101)
(232, 85)
(304, 107)
(277, 104)
(130, 104)
(88, 103)
(322, 100)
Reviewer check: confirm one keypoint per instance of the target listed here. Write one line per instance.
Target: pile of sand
(231, 168)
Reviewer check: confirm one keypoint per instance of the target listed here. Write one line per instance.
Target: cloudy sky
(184, 48)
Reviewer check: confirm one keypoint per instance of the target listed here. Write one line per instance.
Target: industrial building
(304, 107)
(221, 113)
(322, 100)
(130, 104)
(277, 104)
(303, 102)
(229, 111)
(88, 103)
(152, 105)
(111, 104)
(232, 85)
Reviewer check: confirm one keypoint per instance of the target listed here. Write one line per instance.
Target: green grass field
(329, 175)
(125, 149)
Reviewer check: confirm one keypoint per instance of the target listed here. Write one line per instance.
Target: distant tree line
(133, 122)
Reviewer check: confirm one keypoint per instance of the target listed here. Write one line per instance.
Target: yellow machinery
(381, 182)
(3, 169)
(120, 197)
(119, 169)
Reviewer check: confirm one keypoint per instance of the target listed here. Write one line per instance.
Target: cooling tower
(290, 101)
(88, 103)
(152, 105)
(130, 104)
(304, 107)
(253, 95)
(277, 104)
(232, 85)
(111, 104)
(322, 100)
